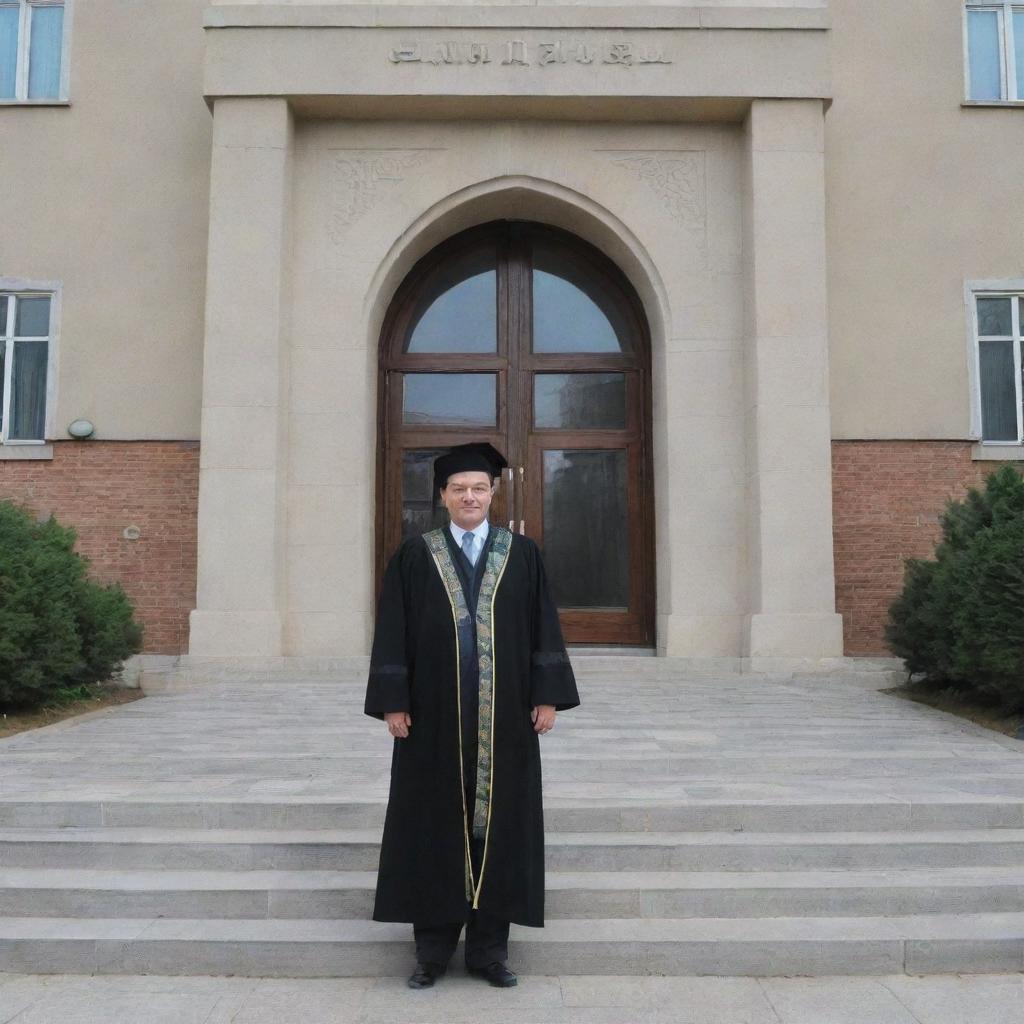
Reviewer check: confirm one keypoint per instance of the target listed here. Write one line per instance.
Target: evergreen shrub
(960, 618)
(58, 628)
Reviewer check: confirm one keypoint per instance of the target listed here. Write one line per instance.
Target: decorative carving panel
(360, 178)
(676, 176)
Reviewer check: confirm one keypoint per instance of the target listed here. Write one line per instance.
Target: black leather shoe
(425, 975)
(496, 974)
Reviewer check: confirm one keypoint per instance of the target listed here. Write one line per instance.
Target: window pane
(998, 393)
(28, 391)
(458, 308)
(983, 46)
(994, 318)
(588, 567)
(3, 314)
(1018, 49)
(3, 377)
(453, 399)
(8, 51)
(44, 59)
(421, 508)
(32, 318)
(580, 401)
(573, 309)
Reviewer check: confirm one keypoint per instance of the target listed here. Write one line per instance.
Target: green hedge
(58, 628)
(960, 618)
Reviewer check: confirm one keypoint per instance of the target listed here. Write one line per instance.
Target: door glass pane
(580, 401)
(574, 310)
(32, 318)
(457, 309)
(994, 318)
(586, 539)
(998, 393)
(8, 51)
(983, 47)
(28, 391)
(44, 59)
(421, 507)
(453, 399)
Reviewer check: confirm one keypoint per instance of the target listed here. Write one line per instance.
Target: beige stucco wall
(115, 207)
(923, 194)
(108, 195)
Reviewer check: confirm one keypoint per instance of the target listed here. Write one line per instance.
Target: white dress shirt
(479, 537)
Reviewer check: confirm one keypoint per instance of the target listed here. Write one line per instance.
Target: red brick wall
(886, 499)
(99, 488)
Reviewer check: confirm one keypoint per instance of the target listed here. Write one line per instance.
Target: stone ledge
(997, 453)
(992, 103)
(171, 673)
(509, 16)
(19, 452)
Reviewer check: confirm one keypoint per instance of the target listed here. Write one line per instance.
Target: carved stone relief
(361, 177)
(676, 176)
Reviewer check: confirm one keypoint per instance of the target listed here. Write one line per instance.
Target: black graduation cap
(468, 458)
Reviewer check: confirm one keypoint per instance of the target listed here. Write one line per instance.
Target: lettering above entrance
(528, 53)
(528, 338)
(652, 61)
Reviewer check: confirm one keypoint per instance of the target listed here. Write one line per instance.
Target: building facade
(736, 286)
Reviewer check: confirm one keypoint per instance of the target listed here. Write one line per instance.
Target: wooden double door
(524, 336)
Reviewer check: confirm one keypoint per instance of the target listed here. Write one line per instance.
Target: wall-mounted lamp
(80, 429)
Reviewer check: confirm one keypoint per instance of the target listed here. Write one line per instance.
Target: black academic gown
(425, 875)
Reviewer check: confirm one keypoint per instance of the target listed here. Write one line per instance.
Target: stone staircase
(733, 825)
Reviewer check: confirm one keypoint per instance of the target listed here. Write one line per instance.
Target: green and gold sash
(497, 557)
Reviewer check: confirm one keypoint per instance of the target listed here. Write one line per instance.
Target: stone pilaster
(789, 505)
(245, 383)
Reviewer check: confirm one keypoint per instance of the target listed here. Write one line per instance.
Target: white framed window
(996, 315)
(27, 319)
(994, 51)
(34, 50)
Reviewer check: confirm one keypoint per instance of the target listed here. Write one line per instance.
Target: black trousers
(486, 935)
(486, 940)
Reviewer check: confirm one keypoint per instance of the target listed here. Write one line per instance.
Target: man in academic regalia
(468, 669)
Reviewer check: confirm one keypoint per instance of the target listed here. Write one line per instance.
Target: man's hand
(543, 718)
(399, 723)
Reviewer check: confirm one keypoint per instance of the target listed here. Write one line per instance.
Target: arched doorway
(525, 336)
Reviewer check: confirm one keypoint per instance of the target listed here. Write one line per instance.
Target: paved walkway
(696, 741)
(69, 999)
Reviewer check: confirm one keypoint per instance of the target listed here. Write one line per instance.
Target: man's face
(467, 496)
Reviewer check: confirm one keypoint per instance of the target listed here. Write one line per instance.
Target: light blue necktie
(468, 539)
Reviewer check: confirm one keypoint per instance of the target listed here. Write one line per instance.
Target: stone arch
(526, 198)
(520, 197)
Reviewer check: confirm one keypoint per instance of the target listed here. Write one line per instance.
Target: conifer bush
(960, 618)
(58, 628)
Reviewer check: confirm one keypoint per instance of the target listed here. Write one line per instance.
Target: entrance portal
(524, 336)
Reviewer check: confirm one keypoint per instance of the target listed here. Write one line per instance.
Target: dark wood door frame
(515, 364)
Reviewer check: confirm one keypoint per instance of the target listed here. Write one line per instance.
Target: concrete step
(650, 813)
(358, 850)
(792, 769)
(83, 892)
(916, 944)
(869, 764)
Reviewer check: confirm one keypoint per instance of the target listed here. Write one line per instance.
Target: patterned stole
(497, 558)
